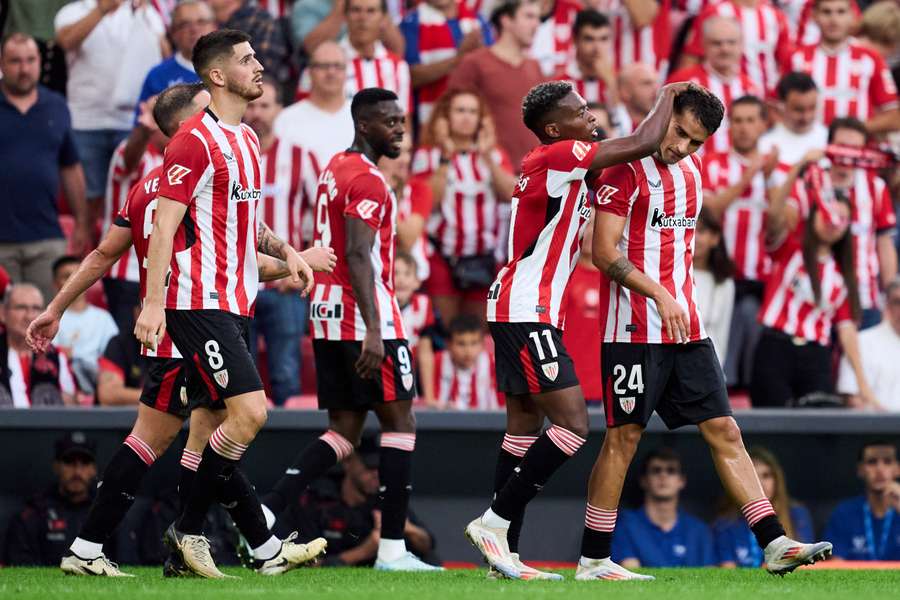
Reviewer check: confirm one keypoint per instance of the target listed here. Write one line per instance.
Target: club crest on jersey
(221, 378)
(605, 194)
(241, 194)
(325, 311)
(407, 381)
(661, 220)
(551, 370)
(627, 404)
(182, 394)
(580, 149)
(176, 173)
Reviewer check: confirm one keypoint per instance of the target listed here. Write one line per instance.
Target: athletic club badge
(221, 378)
(627, 404)
(183, 396)
(407, 381)
(551, 370)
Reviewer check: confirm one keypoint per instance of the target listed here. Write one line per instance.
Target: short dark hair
(879, 443)
(171, 105)
(367, 98)
(17, 37)
(795, 81)
(384, 6)
(847, 123)
(750, 100)
(662, 454)
(405, 257)
(215, 45)
(589, 18)
(540, 100)
(708, 109)
(465, 323)
(507, 8)
(62, 261)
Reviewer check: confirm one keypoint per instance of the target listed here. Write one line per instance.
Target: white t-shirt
(792, 146)
(85, 334)
(879, 349)
(716, 303)
(96, 66)
(321, 133)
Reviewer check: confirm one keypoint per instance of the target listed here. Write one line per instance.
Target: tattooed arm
(271, 245)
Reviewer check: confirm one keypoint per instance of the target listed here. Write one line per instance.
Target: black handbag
(473, 272)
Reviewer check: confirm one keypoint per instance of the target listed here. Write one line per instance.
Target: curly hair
(540, 100)
(708, 109)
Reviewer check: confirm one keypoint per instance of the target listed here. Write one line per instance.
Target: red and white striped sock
(141, 448)
(341, 445)
(191, 460)
(399, 441)
(565, 440)
(600, 519)
(225, 446)
(757, 510)
(517, 445)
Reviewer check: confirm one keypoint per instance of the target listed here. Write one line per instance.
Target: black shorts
(172, 387)
(340, 387)
(684, 383)
(216, 344)
(531, 358)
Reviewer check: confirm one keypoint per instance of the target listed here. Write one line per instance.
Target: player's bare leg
(398, 441)
(567, 413)
(739, 478)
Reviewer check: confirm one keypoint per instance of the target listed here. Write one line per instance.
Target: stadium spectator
(288, 184)
(720, 72)
(879, 29)
(109, 45)
(414, 204)
(712, 276)
(36, 160)
(591, 70)
(469, 177)
(49, 521)
(279, 9)
(867, 527)
(815, 276)
(266, 35)
(121, 371)
(854, 79)
(84, 330)
(735, 544)
(191, 19)
(879, 348)
(370, 63)
(419, 320)
(464, 372)
(28, 378)
(552, 46)
(638, 86)
(316, 21)
(736, 187)
(35, 18)
(643, 31)
(659, 533)
(439, 33)
(503, 74)
(344, 508)
(800, 129)
(582, 333)
(321, 122)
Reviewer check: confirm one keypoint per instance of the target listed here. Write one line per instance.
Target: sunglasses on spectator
(337, 66)
(664, 470)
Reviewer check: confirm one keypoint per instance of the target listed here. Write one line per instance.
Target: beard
(19, 86)
(248, 92)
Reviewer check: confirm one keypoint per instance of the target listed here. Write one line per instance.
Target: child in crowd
(419, 321)
(464, 372)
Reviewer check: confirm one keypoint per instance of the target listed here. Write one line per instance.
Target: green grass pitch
(365, 584)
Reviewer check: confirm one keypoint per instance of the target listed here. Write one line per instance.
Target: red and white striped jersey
(691, 8)
(767, 39)
(650, 44)
(418, 315)
(789, 304)
(660, 203)
(466, 389)
(287, 187)
(550, 209)
(351, 186)
(137, 215)
(276, 8)
(800, 15)
(726, 91)
(552, 44)
(853, 81)
(385, 70)
(592, 90)
(164, 8)
(213, 168)
(417, 199)
(468, 221)
(744, 222)
(118, 185)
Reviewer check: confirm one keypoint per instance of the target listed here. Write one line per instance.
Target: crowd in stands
(795, 247)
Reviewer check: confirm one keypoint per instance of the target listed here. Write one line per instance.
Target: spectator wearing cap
(41, 533)
(27, 378)
(37, 150)
(266, 35)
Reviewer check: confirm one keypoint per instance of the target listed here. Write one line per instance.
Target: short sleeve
(885, 218)
(571, 158)
(365, 198)
(843, 314)
(616, 189)
(882, 90)
(421, 197)
(114, 359)
(68, 152)
(186, 169)
(69, 14)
